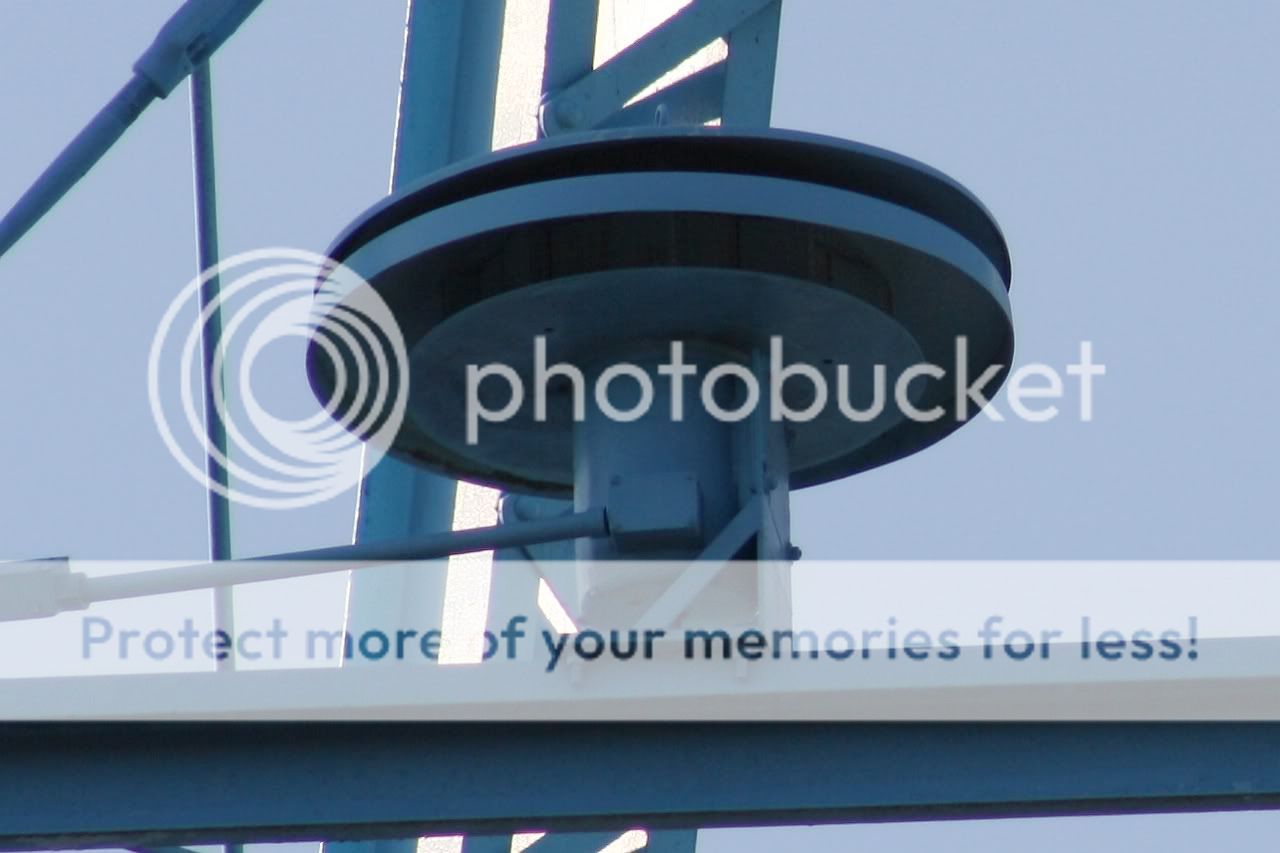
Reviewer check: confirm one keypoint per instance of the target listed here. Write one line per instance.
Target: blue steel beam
(448, 87)
(571, 43)
(753, 57)
(573, 842)
(187, 40)
(294, 782)
(486, 844)
(672, 841)
(449, 79)
(695, 99)
(448, 84)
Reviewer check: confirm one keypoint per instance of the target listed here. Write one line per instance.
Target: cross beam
(154, 784)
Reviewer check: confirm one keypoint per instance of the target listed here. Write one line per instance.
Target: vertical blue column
(753, 55)
(571, 42)
(448, 83)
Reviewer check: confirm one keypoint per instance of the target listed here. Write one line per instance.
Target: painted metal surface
(571, 43)
(194, 32)
(445, 113)
(423, 546)
(207, 256)
(710, 235)
(395, 781)
(691, 100)
(352, 782)
(591, 100)
(753, 58)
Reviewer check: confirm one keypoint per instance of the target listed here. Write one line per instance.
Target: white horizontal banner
(882, 640)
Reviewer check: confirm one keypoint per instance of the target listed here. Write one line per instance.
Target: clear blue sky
(1126, 149)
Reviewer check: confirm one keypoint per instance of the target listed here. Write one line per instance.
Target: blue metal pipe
(76, 160)
(206, 203)
(187, 39)
(691, 100)
(590, 523)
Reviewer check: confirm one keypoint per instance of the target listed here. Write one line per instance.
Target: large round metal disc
(723, 239)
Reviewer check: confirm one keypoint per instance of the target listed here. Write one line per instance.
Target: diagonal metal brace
(592, 99)
(695, 99)
(188, 39)
(573, 842)
(702, 571)
(753, 57)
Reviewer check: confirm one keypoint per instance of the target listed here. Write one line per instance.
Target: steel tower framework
(352, 783)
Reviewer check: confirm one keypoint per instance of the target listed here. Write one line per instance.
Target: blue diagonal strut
(592, 99)
(187, 39)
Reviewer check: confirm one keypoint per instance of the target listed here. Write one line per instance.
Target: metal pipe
(76, 160)
(206, 215)
(590, 523)
(188, 38)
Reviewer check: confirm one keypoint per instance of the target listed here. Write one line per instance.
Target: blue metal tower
(628, 227)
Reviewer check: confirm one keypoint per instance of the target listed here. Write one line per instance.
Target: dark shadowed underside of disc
(610, 242)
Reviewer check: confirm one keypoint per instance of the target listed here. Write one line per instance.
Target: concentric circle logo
(270, 308)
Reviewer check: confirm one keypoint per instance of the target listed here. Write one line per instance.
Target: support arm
(189, 38)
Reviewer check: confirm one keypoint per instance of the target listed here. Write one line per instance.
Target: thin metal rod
(206, 203)
(588, 524)
(76, 160)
